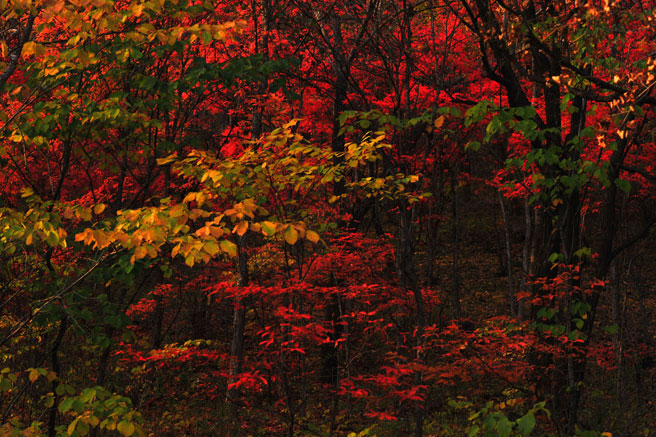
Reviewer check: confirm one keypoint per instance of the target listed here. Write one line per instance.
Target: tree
(332, 218)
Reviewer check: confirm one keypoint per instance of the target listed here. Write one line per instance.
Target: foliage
(305, 218)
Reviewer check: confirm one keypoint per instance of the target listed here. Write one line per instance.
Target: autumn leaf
(211, 248)
(33, 375)
(291, 235)
(99, 208)
(229, 247)
(240, 228)
(268, 228)
(189, 260)
(126, 428)
(312, 236)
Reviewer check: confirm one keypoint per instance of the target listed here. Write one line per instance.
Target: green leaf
(473, 145)
(49, 401)
(88, 395)
(623, 185)
(526, 423)
(504, 426)
(66, 404)
(268, 228)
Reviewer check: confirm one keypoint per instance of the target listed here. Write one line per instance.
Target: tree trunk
(506, 232)
(238, 327)
(409, 280)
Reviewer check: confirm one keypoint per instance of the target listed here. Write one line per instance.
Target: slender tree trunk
(56, 367)
(527, 251)
(238, 327)
(158, 320)
(408, 279)
(506, 231)
(617, 301)
(455, 269)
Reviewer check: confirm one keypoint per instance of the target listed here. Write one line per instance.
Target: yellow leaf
(81, 236)
(189, 260)
(83, 214)
(98, 209)
(439, 121)
(34, 375)
(211, 248)
(175, 250)
(137, 10)
(33, 48)
(71, 427)
(146, 28)
(291, 235)
(216, 232)
(229, 247)
(125, 428)
(240, 228)
(50, 71)
(312, 236)
(101, 239)
(140, 252)
(29, 48)
(169, 159)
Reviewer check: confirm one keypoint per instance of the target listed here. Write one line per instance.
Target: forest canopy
(310, 218)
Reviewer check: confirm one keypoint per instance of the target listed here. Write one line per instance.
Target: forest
(327, 218)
